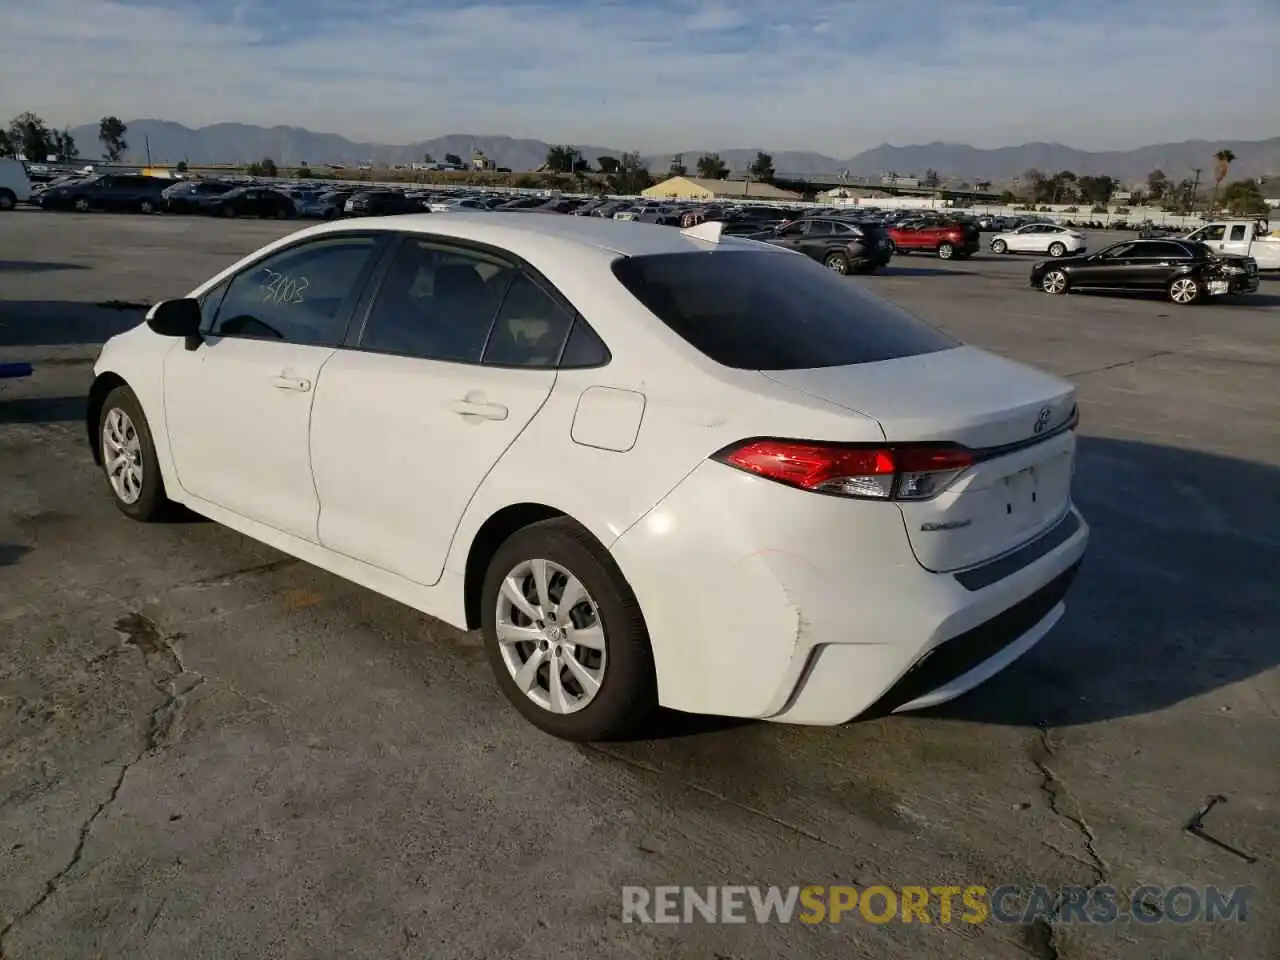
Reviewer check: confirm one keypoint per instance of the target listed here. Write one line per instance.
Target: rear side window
(758, 310)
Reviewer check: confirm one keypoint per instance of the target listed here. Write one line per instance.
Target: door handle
(291, 383)
(483, 411)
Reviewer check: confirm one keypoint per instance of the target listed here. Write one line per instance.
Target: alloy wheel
(1055, 282)
(122, 455)
(550, 636)
(1184, 290)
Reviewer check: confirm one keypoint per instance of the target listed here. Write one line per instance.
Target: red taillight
(906, 472)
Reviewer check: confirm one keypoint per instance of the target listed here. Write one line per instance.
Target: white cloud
(828, 75)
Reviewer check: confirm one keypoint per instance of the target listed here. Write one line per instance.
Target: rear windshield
(762, 310)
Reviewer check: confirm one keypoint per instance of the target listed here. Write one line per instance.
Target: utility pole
(1195, 188)
(147, 143)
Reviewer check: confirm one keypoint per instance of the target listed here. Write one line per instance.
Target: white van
(15, 187)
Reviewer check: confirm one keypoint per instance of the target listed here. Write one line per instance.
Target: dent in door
(608, 418)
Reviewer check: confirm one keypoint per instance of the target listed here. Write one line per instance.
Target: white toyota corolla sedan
(1040, 238)
(654, 466)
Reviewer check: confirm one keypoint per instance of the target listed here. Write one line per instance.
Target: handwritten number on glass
(283, 289)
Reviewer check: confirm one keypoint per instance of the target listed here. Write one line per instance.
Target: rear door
(453, 357)
(1153, 263)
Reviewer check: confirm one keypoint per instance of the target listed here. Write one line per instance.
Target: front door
(457, 354)
(239, 405)
(1237, 239)
(1108, 268)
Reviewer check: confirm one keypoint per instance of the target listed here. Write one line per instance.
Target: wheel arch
(491, 535)
(103, 384)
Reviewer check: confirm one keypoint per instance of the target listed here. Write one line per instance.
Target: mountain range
(170, 142)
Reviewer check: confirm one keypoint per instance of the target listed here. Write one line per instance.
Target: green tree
(453, 159)
(982, 186)
(266, 167)
(303, 173)
(631, 176)
(608, 165)
(6, 145)
(677, 168)
(1096, 189)
(64, 145)
(111, 131)
(31, 137)
(711, 167)
(1221, 167)
(1157, 184)
(560, 159)
(426, 158)
(1032, 184)
(761, 167)
(1008, 197)
(181, 167)
(931, 179)
(1244, 198)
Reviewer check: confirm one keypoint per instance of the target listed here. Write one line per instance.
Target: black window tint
(1119, 251)
(1151, 251)
(436, 303)
(530, 329)
(773, 311)
(819, 228)
(1237, 231)
(584, 349)
(300, 295)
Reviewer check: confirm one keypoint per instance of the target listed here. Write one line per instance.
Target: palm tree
(1221, 165)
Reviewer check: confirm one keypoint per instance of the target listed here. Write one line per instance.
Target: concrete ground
(210, 750)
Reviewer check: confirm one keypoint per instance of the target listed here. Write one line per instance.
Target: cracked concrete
(212, 751)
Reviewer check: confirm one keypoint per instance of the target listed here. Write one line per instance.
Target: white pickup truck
(1244, 238)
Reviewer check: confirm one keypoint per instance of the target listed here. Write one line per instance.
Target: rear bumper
(764, 601)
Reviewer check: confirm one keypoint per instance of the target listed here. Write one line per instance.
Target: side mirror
(177, 318)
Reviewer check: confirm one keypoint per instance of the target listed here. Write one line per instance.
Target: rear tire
(8, 200)
(146, 206)
(626, 696)
(128, 456)
(836, 262)
(946, 251)
(1057, 250)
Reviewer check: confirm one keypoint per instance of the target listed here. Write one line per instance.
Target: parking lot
(211, 750)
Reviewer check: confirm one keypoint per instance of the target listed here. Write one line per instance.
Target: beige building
(697, 188)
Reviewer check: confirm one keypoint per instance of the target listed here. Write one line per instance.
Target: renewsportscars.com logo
(1007, 904)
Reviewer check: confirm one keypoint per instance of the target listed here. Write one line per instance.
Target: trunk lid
(1011, 415)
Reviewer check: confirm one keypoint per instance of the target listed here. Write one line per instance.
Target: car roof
(523, 233)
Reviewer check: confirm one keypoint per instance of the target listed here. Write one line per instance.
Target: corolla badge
(1042, 419)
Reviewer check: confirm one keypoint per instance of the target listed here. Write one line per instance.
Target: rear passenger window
(436, 303)
(1237, 231)
(773, 311)
(531, 328)
(584, 349)
(301, 295)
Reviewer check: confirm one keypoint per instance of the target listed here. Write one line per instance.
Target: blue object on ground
(9, 371)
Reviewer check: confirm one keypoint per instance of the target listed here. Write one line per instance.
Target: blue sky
(835, 76)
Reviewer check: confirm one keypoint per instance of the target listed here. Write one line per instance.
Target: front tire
(565, 636)
(1185, 291)
(999, 246)
(146, 206)
(1054, 283)
(1057, 250)
(129, 458)
(8, 200)
(82, 206)
(836, 262)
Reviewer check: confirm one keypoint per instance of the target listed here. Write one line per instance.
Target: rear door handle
(291, 383)
(483, 411)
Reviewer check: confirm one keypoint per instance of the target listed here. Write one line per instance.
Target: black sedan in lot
(194, 196)
(380, 203)
(1185, 271)
(251, 202)
(840, 245)
(113, 192)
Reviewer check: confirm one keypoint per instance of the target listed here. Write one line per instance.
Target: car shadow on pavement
(42, 410)
(37, 266)
(1176, 597)
(1238, 299)
(922, 272)
(11, 553)
(37, 323)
